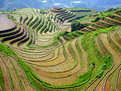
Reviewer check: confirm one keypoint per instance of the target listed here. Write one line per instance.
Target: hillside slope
(37, 54)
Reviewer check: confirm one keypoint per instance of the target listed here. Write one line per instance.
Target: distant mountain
(105, 4)
(117, 6)
(9, 5)
(45, 4)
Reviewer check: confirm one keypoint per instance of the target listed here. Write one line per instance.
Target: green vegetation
(73, 53)
(111, 9)
(114, 46)
(69, 35)
(42, 48)
(82, 14)
(11, 79)
(44, 27)
(40, 26)
(73, 35)
(58, 51)
(11, 17)
(18, 75)
(62, 14)
(2, 82)
(85, 19)
(37, 24)
(34, 22)
(94, 55)
(76, 25)
(6, 50)
(79, 51)
(31, 76)
(91, 50)
(102, 16)
(105, 52)
(64, 51)
(29, 20)
(118, 11)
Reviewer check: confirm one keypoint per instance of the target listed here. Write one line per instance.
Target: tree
(76, 25)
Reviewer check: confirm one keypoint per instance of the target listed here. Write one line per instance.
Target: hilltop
(44, 50)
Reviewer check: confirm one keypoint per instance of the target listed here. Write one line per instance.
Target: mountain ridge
(10, 5)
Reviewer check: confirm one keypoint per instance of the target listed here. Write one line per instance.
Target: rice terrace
(60, 49)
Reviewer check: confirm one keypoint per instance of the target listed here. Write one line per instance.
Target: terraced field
(81, 12)
(63, 14)
(113, 19)
(34, 56)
